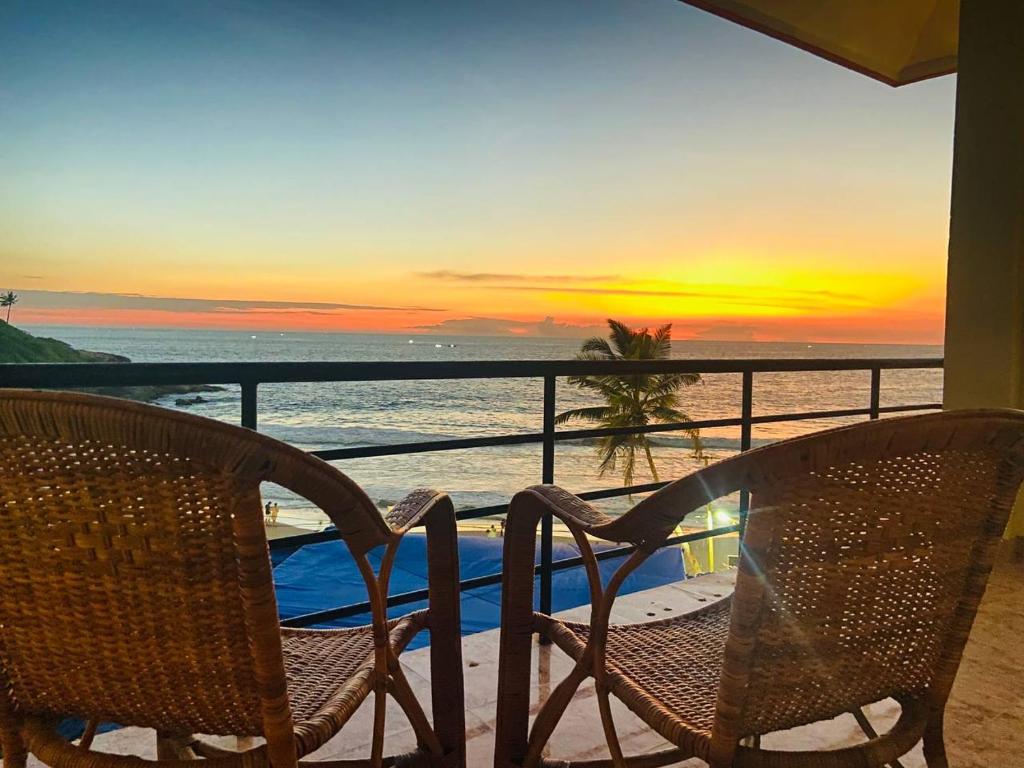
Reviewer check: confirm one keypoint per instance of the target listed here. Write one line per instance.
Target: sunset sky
(470, 167)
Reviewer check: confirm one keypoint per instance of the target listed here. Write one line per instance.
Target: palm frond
(669, 415)
(596, 413)
(623, 338)
(665, 384)
(661, 342)
(608, 387)
(596, 349)
(632, 400)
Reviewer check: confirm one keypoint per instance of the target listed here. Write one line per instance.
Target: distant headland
(17, 346)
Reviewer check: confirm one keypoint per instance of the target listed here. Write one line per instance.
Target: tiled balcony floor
(984, 723)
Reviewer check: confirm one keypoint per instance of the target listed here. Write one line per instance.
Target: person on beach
(266, 513)
(273, 513)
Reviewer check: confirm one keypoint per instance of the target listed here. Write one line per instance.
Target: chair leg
(446, 682)
(611, 736)
(13, 750)
(89, 733)
(934, 743)
(550, 713)
(516, 643)
(174, 746)
(400, 691)
(869, 730)
(380, 698)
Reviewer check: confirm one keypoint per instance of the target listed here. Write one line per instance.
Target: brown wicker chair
(136, 588)
(865, 554)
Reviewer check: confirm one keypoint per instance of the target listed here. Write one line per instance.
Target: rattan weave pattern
(865, 554)
(315, 660)
(331, 671)
(122, 590)
(867, 561)
(137, 588)
(675, 662)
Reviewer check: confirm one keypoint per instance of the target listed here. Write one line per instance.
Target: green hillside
(16, 346)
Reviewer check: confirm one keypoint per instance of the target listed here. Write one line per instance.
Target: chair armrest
(434, 509)
(566, 506)
(410, 511)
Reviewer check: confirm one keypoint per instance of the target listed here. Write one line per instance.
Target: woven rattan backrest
(865, 555)
(136, 583)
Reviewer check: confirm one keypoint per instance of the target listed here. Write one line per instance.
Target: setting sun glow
(359, 168)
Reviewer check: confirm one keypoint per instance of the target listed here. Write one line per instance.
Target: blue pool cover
(321, 576)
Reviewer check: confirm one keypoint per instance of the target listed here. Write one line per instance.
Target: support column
(985, 290)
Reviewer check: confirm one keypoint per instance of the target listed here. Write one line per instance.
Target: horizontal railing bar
(354, 609)
(627, 490)
(773, 418)
(58, 375)
(456, 444)
(473, 513)
(918, 407)
(302, 539)
(808, 415)
(527, 438)
(605, 554)
(583, 434)
(476, 512)
(609, 493)
(342, 612)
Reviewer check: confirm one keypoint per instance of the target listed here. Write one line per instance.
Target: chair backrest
(866, 553)
(135, 581)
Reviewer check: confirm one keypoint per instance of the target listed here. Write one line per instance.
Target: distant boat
(439, 345)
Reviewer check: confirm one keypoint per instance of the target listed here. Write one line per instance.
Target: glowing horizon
(467, 168)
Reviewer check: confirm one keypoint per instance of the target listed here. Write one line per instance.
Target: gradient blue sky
(351, 152)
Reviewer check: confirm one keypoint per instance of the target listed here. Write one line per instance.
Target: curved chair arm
(648, 523)
(517, 599)
(656, 517)
(566, 506)
(411, 511)
(434, 509)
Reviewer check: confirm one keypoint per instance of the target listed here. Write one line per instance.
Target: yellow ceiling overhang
(895, 41)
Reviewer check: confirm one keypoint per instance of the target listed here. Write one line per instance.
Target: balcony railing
(249, 376)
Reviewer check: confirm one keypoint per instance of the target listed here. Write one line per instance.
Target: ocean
(340, 415)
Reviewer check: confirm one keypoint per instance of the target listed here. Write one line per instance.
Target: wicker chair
(136, 588)
(866, 552)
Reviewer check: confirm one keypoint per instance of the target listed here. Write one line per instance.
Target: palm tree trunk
(650, 462)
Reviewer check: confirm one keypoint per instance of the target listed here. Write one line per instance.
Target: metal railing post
(547, 476)
(249, 389)
(746, 426)
(876, 393)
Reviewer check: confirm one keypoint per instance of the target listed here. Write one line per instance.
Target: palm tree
(8, 300)
(632, 400)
